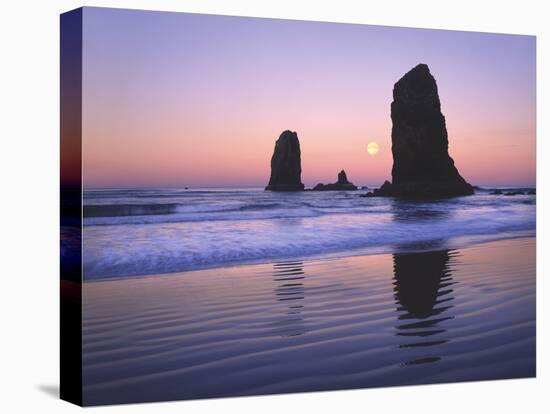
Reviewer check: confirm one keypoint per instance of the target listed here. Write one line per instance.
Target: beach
(404, 314)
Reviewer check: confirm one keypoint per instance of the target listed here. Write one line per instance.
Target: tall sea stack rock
(422, 167)
(286, 165)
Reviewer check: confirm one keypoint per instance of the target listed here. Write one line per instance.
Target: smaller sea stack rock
(341, 185)
(422, 167)
(286, 164)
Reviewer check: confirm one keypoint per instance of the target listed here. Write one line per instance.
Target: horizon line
(191, 187)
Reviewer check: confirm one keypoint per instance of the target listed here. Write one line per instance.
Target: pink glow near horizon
(190, 100)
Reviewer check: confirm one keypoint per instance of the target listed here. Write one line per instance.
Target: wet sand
(306, 325)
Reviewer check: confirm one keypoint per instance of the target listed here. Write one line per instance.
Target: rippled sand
(365, 321)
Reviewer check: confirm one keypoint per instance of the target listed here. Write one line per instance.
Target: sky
(175, 99)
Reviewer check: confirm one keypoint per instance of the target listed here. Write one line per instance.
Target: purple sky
(187, 99)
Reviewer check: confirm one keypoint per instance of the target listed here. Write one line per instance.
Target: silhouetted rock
(342, 178)
(341, 185)
(422, 167)
(511, 192)
(383, 191)
(286, 168)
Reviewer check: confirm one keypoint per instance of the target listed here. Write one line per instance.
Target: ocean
(133, 232)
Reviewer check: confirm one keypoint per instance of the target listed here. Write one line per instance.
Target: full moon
(372, 148)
